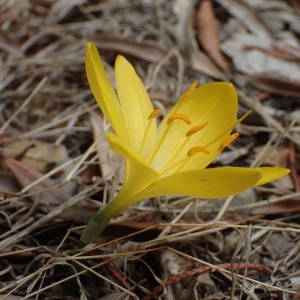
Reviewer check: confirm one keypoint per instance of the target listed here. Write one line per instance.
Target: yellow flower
(170, 158)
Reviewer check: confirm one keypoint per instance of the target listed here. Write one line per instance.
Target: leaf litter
(56, 170)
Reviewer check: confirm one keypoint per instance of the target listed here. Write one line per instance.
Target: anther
(154, 113)
(195, 129)
(228, 141)
(195, 150)
(190, 89)
(182, 117)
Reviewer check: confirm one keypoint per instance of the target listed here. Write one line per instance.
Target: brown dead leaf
(43, 193)
(47, 196)
(295, 4)
(8, 184)
(188, 44)
(146, 51)
(208, 34)
(35, 153)
(276, 85)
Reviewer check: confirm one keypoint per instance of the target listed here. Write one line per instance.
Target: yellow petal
(103, 91)
(212, 103)
(206, 183)
(138, 174)
(136, 107)
(269, 174)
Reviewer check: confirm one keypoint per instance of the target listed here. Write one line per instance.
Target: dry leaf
(8, 184)
(276, 85)
(145, 51)
(188, 44)
(208, 34)
(43, 193)
(35, 153)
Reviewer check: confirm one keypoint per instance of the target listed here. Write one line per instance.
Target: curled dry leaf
(276, 85)
(188, 44)
(208, 34)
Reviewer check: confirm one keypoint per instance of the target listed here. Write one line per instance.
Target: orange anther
(154, 113)
(190, 89)
(182, 117)
(195, 129)
(228, 141)
(195, 150)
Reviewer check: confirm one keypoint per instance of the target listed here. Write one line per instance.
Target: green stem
(93, 229)
(98, 223)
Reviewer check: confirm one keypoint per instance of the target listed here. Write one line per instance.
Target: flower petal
(212, 103)
(269, 174)
(136, 107)
(206, 183)
(103, 91)
(138, 174)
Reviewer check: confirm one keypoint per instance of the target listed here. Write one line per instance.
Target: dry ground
(56, 169)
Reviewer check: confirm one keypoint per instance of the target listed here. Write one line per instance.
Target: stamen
(190, 89)
(182, 117)
(154, 114)
(195, 129)
(228, 141)
(195, 150)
